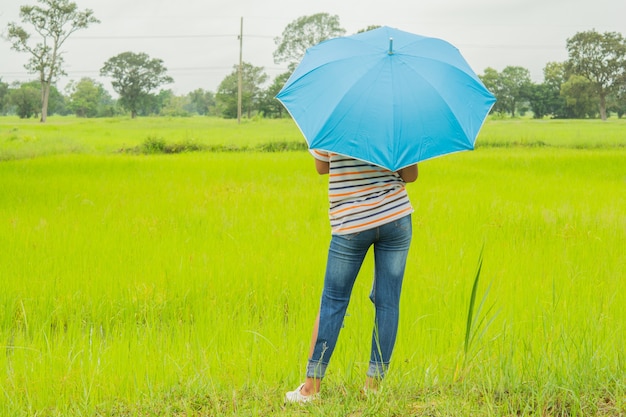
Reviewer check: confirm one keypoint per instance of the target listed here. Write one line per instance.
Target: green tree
(367, 29)
(135, 76)
(511, 87)
(303, 33)
(57, 103)
(618, 102)
(554, 74)
(54, 21)
(252, 81)
(493, 81)
(601, 59)
(26, 99)
(201, 102)
(540, 96)
(516, 83)
(88, 98)
(172, 105)
(545, 99)
(4, 97)
(269, 104)
(580, 97)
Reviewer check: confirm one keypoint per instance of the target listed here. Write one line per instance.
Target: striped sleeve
(321, 155)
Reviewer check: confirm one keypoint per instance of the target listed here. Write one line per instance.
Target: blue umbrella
(387, 97)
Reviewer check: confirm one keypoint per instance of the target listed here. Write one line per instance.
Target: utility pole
(240, 75)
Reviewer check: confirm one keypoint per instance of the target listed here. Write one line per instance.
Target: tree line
(591, 83)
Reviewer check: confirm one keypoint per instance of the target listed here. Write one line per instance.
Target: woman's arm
(322, 167)
(408, 174)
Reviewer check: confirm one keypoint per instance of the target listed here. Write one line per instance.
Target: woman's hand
(408, 174)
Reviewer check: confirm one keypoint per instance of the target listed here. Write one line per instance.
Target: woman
(369, 206)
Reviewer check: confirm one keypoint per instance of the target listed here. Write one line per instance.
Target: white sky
(197, 39)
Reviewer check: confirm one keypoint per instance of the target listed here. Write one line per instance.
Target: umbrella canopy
(387, 97)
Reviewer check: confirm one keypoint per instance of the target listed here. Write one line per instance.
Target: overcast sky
(197, 39)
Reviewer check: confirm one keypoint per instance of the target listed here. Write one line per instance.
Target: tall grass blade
(472, 302)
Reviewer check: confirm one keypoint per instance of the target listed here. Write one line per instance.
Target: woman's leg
(390, 253)
(312, 385)
(345, 257)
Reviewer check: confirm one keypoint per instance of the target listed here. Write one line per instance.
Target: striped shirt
(361, 195)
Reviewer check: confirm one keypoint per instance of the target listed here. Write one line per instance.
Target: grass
(566, 133)
(186, 285)
(69, 135)
(65, 135)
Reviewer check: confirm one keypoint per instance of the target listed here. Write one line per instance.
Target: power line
(247, 36)
(195, 36)
(122, 37)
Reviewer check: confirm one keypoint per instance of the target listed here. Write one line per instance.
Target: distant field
(559, 133)
(61, 135)
(187, 284)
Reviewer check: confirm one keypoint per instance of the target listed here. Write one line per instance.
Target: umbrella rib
(442, 97)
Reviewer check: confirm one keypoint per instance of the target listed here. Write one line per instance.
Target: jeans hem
(377, 370)
(316, 369)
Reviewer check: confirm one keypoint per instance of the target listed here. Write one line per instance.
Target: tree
(88, 98)
(580, 97)
(135, 76)
(172, 105)
(554, 77)
(510, 87)
(540, 96)
(201, 102)
(26, 99)
(545, 98)
(303, 33)
(367, 29)
(492, 80)
(4, 97)
(269, 104)
(57, 103)
(226, 96)
(54, 21)
(601, 59)
(619, 100)
(554, 74)
(516, 83)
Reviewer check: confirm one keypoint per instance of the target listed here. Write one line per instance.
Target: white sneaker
(296, 396)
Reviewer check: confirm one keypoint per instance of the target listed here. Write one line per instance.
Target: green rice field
(186, 284)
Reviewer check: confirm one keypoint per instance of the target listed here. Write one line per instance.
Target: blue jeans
(345, 257)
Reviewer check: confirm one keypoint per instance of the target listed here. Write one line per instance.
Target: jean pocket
(351, 236)
(404, 223)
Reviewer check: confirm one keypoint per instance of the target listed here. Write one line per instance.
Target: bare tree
(54, 21)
